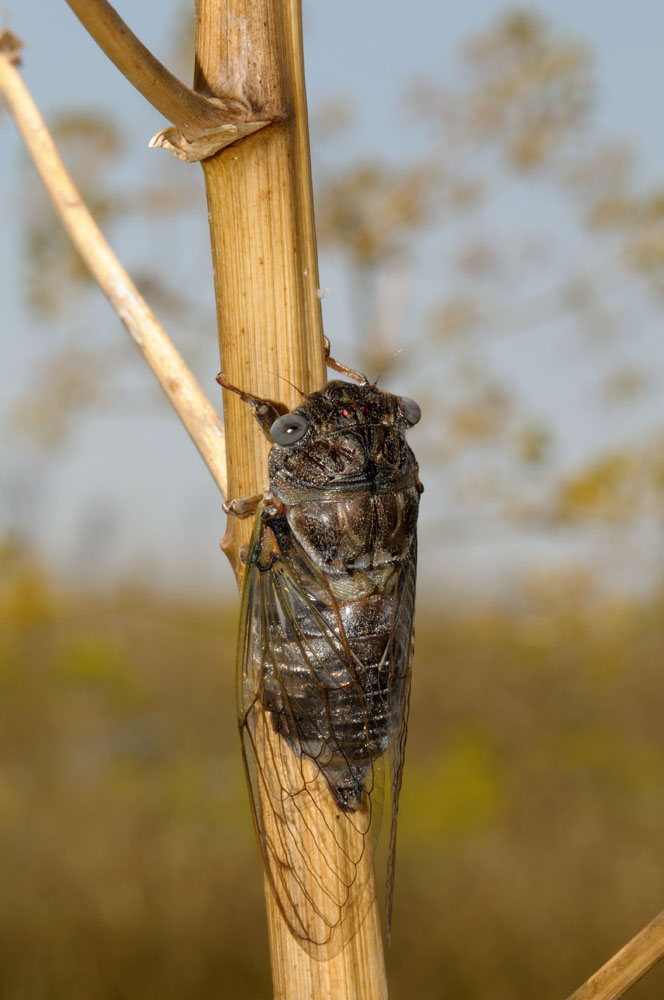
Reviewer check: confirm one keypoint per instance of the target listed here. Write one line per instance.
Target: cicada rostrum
(326, 638)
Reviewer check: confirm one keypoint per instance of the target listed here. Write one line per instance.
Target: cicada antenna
(343, 369)
(282, 378)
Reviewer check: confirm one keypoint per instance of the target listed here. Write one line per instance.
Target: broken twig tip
(10, 46)
(200, 144)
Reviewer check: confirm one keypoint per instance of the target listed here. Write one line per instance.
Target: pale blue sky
(110, 503)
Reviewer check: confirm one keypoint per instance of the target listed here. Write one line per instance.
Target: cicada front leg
(243, 506)
(342, 369)
(264, 411)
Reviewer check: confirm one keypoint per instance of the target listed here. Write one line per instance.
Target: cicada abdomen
(326, 643)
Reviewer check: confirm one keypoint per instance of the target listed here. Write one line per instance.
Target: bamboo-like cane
(270, 332)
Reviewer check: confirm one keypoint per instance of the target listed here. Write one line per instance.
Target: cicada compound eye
(410, 409)
(289, 429)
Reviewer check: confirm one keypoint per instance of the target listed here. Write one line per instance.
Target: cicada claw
(242, 506)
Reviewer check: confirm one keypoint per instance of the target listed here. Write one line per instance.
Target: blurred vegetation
(434, 264)
(531, 818)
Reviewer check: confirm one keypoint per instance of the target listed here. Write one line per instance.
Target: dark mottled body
(328, 611)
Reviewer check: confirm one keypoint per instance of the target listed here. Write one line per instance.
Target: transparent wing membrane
(307, 708)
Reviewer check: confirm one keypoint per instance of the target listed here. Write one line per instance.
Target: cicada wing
(316, 854)
(400, 653)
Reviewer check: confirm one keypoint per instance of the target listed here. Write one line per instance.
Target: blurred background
(490, 210)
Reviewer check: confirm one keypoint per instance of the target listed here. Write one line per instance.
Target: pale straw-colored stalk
(627, 966)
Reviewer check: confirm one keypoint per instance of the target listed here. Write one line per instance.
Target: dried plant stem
(175, 378)
(261, 229)
(627, 966)
(270, 334)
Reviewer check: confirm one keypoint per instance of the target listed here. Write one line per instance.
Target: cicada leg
(247, 507)
(243, 506)
(264, 411)
(342, 369)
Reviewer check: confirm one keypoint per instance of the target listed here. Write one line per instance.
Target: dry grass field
(532, 817)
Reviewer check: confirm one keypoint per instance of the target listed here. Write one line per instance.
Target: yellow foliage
(608, 489)
(533, 442)
(458, 791)
(25, 597)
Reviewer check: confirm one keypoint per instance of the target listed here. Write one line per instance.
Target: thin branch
(202, 125)
(195, 412)
(172, 98)
(627, 966)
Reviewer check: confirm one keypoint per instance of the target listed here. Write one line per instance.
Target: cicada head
(345, 437)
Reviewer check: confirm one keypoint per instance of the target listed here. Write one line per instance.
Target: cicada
(326, 641)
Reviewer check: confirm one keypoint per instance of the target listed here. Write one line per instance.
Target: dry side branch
(202, 124)
(175, 378)
(627, 966)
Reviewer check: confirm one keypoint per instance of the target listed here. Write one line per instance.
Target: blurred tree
(519, 119)
(430, 245)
